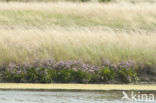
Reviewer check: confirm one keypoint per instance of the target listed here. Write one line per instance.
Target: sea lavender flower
(114, 67)
(12, 68)
(67, 65)
(85, 67)
(48, 63)
(127, 65)
(26, 65)
(89, 68)
(59, 65)
(13, 65)
(18, 72)
(94, 68)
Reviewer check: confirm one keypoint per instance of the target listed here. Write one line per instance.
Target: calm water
(65, 97)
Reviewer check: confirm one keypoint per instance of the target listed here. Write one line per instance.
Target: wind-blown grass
(88, 44)
(113, 15)
(72, 31)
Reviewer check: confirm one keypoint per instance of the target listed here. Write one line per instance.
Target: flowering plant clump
(73, 71)
(127, 65)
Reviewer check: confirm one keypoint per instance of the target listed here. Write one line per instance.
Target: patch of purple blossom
(127, 65)
(46, 70)
(75, 65)
(72, 64)
(12, 68)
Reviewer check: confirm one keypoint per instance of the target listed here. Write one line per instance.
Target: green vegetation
(87, 31)
(67, 72)
(128, 75)
(107, 74)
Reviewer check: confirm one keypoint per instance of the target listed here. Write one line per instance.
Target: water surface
(65, 97)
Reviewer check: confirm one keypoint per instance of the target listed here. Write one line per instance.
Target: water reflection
(63, 97)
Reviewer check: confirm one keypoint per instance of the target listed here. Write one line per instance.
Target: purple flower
(48, 63)
(114, 66)
(129, 64)
(12, 68)
(18, 72)
(25, 65)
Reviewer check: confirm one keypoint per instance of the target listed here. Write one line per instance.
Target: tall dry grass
(113, 15)
(31, 30)
(88, 44)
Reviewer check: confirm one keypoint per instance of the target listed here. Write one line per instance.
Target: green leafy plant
(65, 75)
(19, 77)
(95, 78)
(128, 75)
(106, 74)
(45, 75)
(31, 75)
(13, 76)
(51, 74)
(82, 77)
(7, 76)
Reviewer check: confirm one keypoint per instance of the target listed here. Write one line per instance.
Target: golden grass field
(72, 31)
